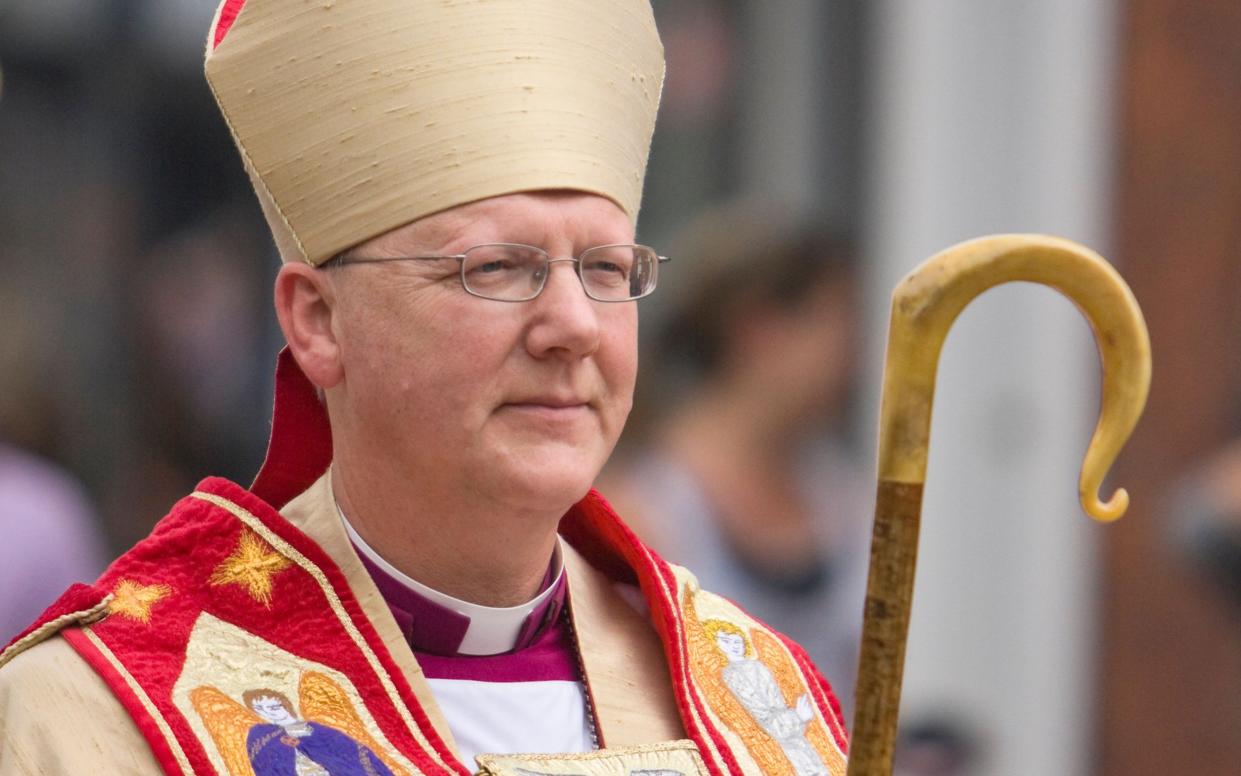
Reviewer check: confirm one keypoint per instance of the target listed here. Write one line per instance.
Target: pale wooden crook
(924, 306)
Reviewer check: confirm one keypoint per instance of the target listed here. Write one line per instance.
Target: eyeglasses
(510, 272)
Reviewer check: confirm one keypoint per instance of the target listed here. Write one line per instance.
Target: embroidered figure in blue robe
(284, 745)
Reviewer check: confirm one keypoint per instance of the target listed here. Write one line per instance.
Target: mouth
(551, 408)
(548, 405)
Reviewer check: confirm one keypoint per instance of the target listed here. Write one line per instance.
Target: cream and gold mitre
(354, 117)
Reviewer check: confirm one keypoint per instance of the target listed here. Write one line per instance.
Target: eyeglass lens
(609, 273)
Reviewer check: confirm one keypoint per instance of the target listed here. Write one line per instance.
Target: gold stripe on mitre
(355, 117)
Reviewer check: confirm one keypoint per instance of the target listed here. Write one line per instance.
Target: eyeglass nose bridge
(541, 274)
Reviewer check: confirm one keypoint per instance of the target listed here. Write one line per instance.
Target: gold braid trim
(52, 627)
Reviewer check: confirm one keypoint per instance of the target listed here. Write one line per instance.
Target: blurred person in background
(739, 461)
(938, 746)
(51, 530)
(114, 169)
(195, 313)
(421, 565)
(742, 468)
(51, 535)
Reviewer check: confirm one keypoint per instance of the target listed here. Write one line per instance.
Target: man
(453, 187)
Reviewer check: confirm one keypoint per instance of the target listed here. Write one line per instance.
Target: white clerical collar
(492, 630)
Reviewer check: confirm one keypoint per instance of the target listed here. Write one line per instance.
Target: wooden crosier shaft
(889, 599)
(924, 306)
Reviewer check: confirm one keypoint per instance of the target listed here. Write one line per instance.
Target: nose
(565, 322)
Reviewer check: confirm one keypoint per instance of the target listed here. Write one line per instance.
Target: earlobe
(305, 307)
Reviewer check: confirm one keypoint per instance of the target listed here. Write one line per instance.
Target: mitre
(354, 117)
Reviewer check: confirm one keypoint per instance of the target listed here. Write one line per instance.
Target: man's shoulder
(58, 716)
(51, 667)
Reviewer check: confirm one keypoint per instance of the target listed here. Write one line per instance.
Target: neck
(476, 552)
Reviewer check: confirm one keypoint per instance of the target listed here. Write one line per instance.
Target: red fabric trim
(595, 530)
(336, 578)
(685, 690)
(300, 448)
(182, 553)
(228, 15)
(822, 691)
(684, 677)
(77, 598)
(129, 699)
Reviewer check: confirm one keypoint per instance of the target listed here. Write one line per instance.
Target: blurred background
(808, 154)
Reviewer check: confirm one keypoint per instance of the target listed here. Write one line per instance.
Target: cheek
(617, 361)
(618, 349)
(404, 361)
(447, 377)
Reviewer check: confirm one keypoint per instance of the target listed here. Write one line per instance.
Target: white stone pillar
(993, 116)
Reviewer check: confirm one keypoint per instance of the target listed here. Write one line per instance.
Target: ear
(305, 307)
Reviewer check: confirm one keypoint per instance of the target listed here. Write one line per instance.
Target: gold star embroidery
(252, 565)
(134, 601)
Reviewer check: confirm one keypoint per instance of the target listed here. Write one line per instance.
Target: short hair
(250, 696)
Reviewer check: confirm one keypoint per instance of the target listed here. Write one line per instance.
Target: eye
(608, 266)
(493, 266)
(502, 270)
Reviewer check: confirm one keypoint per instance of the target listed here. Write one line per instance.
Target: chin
(546, 485)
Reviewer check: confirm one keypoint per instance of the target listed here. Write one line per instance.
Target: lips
(550, 403)
(549, 409)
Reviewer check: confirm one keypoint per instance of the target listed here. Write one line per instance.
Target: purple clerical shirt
(543, 651)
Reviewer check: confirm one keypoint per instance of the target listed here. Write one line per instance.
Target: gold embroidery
(228, 722)
(252, 565)
(684, 645)
(672, 758)
(322, 701)
(707, 662)
(241, 667)
(337, 608)
(752, 684)
(133, 600)
(772, 654)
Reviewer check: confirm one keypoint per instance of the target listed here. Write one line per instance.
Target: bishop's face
(518, 403)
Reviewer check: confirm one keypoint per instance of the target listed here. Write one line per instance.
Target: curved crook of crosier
(924, 306)
(929, 299)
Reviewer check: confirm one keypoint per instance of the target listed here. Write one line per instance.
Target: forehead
(537, 218)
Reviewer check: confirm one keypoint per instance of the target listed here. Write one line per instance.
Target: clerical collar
(440, 624)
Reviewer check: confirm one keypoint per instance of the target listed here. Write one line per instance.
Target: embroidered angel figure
(753, 686)
(264, 736)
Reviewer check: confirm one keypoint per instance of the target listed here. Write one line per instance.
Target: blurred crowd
(137, 343)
